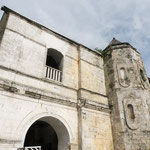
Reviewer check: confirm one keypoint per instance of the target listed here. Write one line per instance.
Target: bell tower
(129, 97)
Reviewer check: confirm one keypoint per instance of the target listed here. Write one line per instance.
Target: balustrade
(30, 148)
(53, 74)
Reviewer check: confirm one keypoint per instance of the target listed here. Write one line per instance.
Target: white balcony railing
(53, 74)
(33, 148)
(30, 148)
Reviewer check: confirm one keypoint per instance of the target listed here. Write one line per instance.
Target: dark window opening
(131, 112)
(41, 134)
(142, 75)
(50, 61)
(54, 59)
(54, 65)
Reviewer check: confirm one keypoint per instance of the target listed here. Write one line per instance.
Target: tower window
(122, 73)
(142, 75)
(54, 65)
(131, 111)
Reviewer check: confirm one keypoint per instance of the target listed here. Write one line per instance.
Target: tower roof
(114, 42)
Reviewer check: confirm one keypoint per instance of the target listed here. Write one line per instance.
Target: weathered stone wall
(3, 22)
(18, 112)
(26, 94)
(26, 47)
(93, 111)
(96, 130)
(92, 80)
(127, 89)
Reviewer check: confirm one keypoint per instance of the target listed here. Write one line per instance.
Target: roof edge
(7, 10)
(109, 47)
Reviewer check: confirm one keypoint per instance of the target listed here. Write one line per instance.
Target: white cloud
(137, 23)
(93, 22)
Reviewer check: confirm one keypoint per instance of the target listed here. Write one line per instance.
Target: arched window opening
(142, 75)
(50, 61)
(54, 65)
(122, 73)
(131, 114)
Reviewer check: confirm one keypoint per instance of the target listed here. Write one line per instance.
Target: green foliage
(98, 50)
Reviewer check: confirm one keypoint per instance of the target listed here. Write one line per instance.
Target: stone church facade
(57, 94)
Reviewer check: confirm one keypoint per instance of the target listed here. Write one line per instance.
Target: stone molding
(37, 94)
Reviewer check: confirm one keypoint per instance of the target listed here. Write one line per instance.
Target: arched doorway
(42, 134)
(49, 133)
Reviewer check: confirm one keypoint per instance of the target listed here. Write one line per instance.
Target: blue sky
(93, 22)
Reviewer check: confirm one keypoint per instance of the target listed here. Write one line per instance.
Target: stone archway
(41, 134)
(49, 133)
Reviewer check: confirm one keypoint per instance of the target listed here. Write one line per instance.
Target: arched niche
(130, 111)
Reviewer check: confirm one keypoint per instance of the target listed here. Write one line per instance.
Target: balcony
(53, 74)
